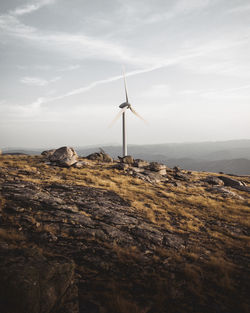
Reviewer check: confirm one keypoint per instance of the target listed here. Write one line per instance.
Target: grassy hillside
(200, 265)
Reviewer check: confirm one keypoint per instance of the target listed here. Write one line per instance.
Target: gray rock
(137, 169)
(128, 159)
(153, 177)
(242, 188)
(121, 166)
(181, 176)
(81, 164)
(226, 193)
(64, 156)
(213, 180)
(230, 181)
(48, 153)
(156, 167)
(100, 156)
(140, 163)
(177, 169)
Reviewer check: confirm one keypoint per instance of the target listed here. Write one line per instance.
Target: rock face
(100, 156)
(32, 283)
(64, 156)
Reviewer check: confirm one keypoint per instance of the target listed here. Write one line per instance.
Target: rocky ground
(104, 236)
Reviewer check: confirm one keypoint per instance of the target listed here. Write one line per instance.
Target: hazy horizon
(187, 65)
(134, 144)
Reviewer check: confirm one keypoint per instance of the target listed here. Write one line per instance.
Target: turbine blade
(117, 116)
(125, 84)
(138, 115)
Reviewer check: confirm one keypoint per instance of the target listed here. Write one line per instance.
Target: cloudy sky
(187, 64)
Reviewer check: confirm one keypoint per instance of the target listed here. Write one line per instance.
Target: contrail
(160, 65)
(115, 78)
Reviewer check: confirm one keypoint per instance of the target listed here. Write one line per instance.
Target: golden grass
(208, 218)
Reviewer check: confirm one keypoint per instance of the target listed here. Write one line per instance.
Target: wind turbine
(124, 106)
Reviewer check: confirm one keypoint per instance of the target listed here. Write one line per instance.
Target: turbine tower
(124, 106)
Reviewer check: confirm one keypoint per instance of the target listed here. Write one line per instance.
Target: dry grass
(211, 221)
(11, 235)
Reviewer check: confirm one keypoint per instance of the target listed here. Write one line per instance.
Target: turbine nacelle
(124, 105)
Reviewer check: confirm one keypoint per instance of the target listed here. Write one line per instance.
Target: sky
(187, 65)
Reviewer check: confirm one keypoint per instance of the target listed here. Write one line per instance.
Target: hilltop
(106, 238)
(231, 156)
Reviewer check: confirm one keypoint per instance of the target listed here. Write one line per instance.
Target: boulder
(224, 192)
(140, 163)
(230, 181)
(106, 157)
(152, 177)
(128, 159)
(48, 153)
(213, 180)
(157, 167)
(64, 156)
(82, 164)
(32, 283)
(100, 156)
(121, 166)
(176, 169)
(181, 176)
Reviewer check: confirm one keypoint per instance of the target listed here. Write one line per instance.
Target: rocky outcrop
(224, 192)
(151, 255)
(230, 181)
(213, 180)
(158, 167)
(100, 156)
(140, 163)
(128, 159)
(107, 219)
(31, 282)
(64, 156)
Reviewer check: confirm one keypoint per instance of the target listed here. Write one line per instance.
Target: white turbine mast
(124, 106)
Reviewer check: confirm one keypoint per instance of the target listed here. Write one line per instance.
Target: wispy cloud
(92, 85)
(78, 46)
(189, 55)
(47, 67)
(234, 92)
(179, 8)
(29, 8)
(37, 81)
(69, 68)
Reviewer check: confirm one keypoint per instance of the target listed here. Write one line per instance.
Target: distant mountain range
(231, 157)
